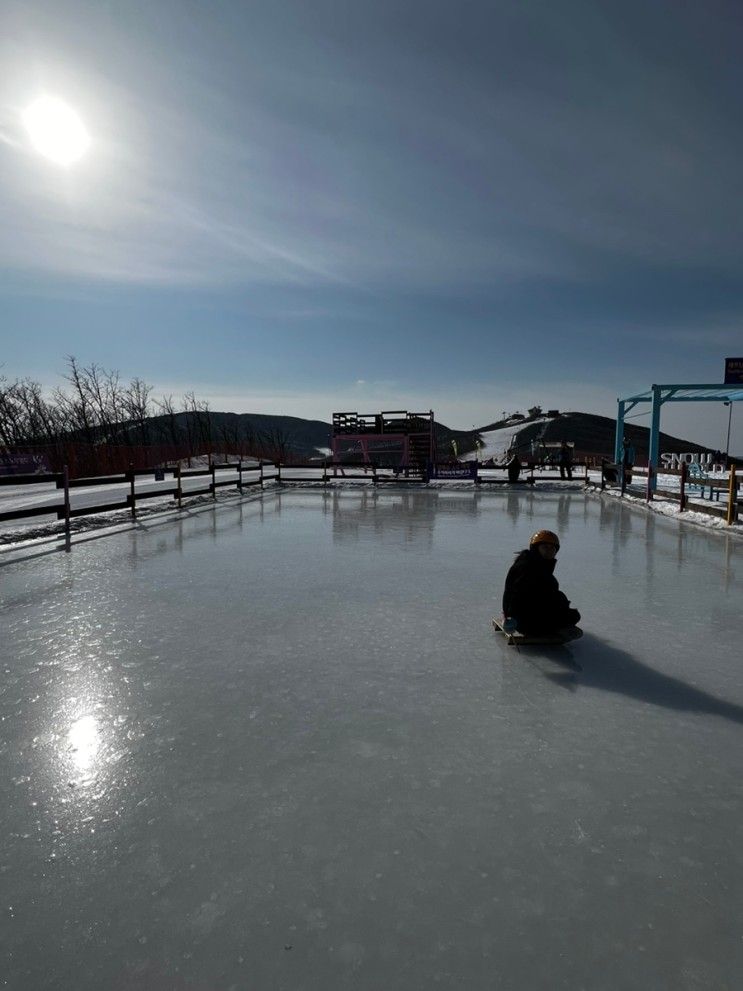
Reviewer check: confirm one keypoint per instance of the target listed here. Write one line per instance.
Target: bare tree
(275, 444)
(229, 432)
(76, 407)
(248, 441)
(170, 428)
(190, 408)
(204, 422)
(137, 406)
(108, 400)
(26, 418)
(43, 423)
(9, 413)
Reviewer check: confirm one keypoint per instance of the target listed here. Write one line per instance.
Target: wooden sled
(520, 640)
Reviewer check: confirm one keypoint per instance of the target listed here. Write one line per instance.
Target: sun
(55, 130)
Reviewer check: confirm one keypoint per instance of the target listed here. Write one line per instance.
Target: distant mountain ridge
(288, 436)
(298, 438)
(589, 433)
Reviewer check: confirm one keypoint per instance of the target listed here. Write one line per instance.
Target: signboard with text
(468, 471)
(734, 371)
(23, 464)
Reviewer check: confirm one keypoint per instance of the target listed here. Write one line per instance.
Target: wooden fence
(65, 511)
(256, 476)
(624, 479)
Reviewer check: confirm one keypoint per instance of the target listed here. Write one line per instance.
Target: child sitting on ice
(532, 601)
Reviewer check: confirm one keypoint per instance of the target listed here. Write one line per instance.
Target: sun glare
(84, 741)
(55, 130)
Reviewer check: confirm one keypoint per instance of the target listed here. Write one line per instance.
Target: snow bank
(664, 507)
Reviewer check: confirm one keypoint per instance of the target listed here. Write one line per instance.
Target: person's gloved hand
(509, 625)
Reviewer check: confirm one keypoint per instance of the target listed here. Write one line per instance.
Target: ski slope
(496, 443)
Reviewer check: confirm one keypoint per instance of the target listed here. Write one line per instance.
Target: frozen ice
(275, 743)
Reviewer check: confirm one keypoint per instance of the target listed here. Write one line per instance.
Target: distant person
(628, 460)
(513, 467)
(532, 601)
(565, 461)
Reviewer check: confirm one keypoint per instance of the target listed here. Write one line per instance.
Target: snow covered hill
(588, 433)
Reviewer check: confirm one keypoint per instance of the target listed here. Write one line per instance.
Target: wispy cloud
(527, 186)
(487, 184)
(722, 330)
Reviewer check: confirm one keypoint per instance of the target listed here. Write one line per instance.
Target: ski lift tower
(394, 438)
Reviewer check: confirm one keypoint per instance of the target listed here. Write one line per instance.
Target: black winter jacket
(533, 598)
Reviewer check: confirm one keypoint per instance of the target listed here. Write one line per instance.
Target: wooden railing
(127, 495)
(624, 478)
(64, 510)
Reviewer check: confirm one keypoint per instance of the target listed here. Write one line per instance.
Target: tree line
(98, 419)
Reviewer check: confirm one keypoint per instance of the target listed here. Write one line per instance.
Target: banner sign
(455, 471)
(23, 464)
(734, 371)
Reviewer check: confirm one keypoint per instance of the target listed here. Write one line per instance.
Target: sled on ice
(521, 640)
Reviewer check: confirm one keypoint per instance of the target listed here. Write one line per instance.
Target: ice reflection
(389, 517)
(84, 742)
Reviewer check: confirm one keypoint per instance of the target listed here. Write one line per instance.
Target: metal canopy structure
(657, 395)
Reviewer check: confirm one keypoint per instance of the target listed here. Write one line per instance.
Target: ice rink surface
(277, 745)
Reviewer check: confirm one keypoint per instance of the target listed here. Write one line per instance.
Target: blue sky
(301, 207)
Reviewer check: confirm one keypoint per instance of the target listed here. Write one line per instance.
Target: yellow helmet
(545, 537)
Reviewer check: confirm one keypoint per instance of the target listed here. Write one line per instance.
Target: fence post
(260, 464)
(682, 496)
(623, 484)
(240, 475)
(214, 480)
(278, 472)
(732, 512)
(132, 492)
(603, 475)
(649, 492)
(179, 493)
(67, 538)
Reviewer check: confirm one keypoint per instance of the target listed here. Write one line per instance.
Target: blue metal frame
(657, 395)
